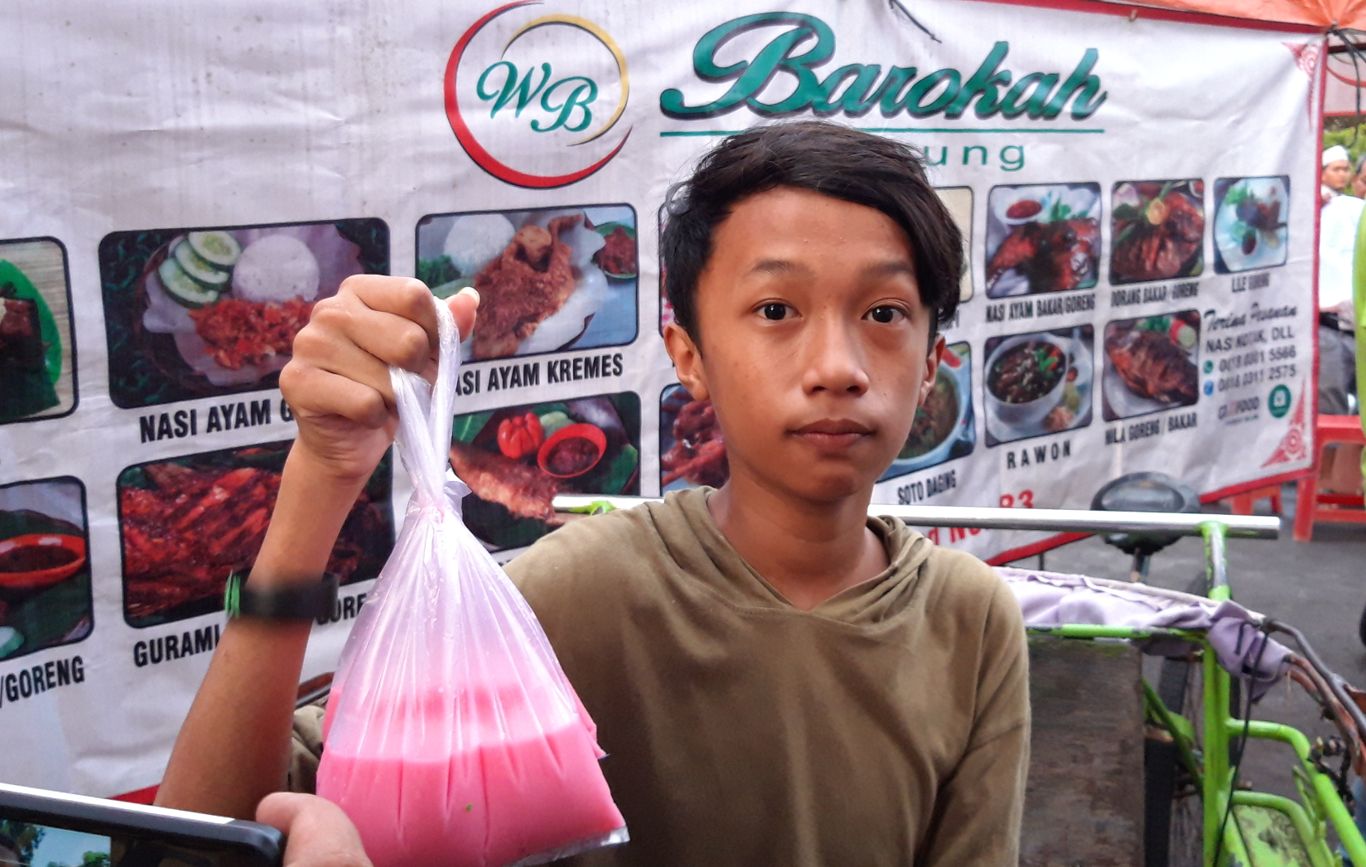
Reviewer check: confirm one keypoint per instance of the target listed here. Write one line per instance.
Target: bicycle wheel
(1173, 827)
(1174, 822)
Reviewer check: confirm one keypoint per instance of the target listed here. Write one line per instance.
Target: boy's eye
(774, 311)
(886, 314)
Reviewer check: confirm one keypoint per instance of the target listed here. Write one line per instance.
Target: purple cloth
(1054, 599)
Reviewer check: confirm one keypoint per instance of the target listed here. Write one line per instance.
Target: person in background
(1359, 294)
(1337, 173)
(1359, 178)
(1359, 308)
(1338, 224)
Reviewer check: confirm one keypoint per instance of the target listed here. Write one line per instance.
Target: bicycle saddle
(1144, 492)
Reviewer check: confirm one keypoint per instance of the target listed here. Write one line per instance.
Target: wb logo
(566, 101)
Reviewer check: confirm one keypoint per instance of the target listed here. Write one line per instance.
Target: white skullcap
(1336, 153)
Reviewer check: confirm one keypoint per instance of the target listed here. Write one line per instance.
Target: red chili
(521, 435)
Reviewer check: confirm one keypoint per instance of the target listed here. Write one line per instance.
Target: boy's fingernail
(472, 292)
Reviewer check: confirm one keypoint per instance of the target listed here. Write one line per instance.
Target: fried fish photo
(1151, 364)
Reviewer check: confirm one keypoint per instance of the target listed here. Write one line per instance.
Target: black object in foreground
(33, 821)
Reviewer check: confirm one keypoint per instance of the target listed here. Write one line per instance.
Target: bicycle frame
(1221, 727)
(1210, 766)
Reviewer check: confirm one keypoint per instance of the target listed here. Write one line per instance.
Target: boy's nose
(834, 361)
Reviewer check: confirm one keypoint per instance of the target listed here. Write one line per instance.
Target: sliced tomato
(519, 436)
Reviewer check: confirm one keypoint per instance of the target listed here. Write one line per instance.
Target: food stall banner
(182, 182)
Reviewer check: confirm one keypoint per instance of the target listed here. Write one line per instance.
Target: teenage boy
(777, 679)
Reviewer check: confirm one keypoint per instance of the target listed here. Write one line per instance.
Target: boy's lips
(833, 432)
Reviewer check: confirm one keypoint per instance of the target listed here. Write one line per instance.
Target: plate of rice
(235, 299)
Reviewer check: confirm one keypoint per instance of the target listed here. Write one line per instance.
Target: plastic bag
(452, 735)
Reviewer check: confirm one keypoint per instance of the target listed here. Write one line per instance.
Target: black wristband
(293, 603)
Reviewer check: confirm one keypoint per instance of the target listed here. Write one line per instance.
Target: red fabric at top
(1315, 13)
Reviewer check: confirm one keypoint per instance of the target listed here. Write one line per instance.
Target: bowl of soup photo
(1025, 376)
(940, 420)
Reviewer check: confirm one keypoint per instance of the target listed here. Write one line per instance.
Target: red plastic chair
(1311, 506)
(1246, 502)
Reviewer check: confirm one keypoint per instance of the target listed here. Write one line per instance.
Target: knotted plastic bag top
(425, 414)
(452, 734)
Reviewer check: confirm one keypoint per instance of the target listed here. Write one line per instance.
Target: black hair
(826, 158)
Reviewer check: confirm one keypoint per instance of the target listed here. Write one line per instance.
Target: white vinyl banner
(181, 182)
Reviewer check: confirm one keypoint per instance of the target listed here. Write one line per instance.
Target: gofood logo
(532, 101)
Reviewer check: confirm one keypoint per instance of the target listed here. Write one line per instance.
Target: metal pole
(1216, 561)
(1054, 520)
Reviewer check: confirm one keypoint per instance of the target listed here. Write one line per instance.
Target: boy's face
(813, 343)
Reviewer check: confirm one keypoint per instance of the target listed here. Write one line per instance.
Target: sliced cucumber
(217, 248)
(197, 269)
(182, 289)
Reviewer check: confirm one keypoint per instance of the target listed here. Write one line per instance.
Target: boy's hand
(337, 383)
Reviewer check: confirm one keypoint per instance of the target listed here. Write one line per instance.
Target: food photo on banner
(549, 280)
(1251, 228)
(203, 312)
(37, 346)
(1151, 364)
(943, 429)
(1037, 383)
(516, 459)
(45, 594)
(958, 201)
(187, 523)
(692, 450)
(1042, 239)
(1158, 230)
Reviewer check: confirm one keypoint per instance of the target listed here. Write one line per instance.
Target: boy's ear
(687, 359)
(932, 359)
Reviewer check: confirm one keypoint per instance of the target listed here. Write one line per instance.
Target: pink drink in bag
(452, 735)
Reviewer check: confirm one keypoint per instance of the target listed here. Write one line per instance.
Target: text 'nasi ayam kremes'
(524, 374)
(238, 414)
